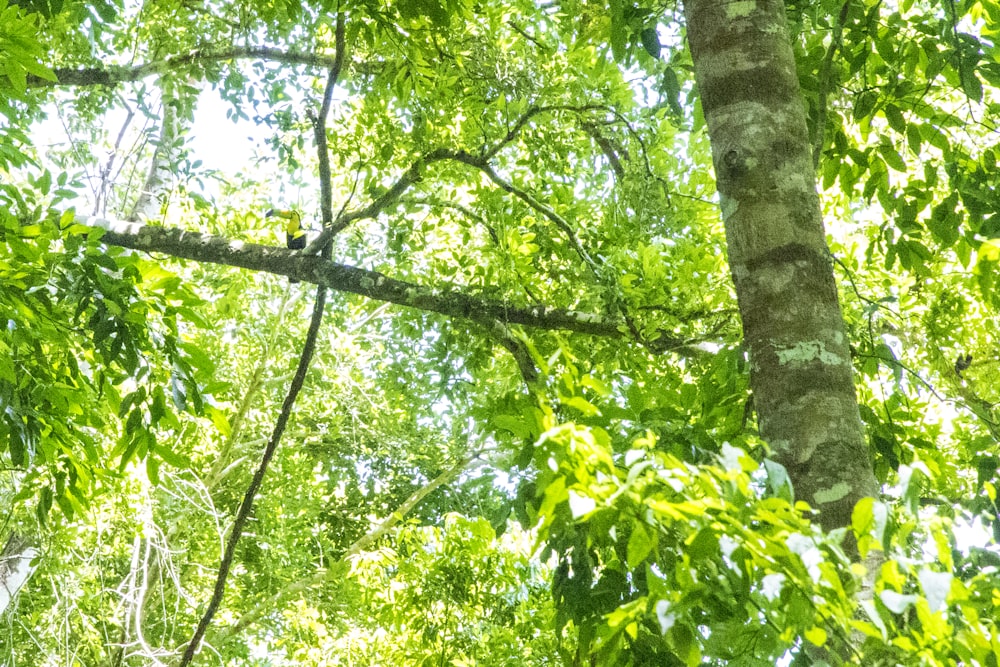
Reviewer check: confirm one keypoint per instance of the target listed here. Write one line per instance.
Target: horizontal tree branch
(113, 75)
(448, 301)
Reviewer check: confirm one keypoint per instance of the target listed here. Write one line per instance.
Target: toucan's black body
(295, 237)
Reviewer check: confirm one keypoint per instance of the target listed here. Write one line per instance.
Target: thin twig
(819, 131)
(531, 113)
(904, 367)
(105, 182)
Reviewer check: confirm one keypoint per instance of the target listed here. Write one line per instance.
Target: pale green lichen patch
(833, 494)
(807, 351)
(728, 205)
(740, 9)
(779, 277)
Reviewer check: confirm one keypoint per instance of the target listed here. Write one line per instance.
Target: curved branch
(526, 197)
(243, 513)
(414, 175)
(519, 352)
(609, 149)
(113, 75)
(534, 111)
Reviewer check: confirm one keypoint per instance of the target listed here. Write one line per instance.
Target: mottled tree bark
(800, 364)
(159, 183)
(445, 300)
(15, 567)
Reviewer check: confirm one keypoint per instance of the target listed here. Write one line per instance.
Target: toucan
(295, 236)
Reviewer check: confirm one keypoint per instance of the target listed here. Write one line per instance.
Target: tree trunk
(800, 362)
(160, 178)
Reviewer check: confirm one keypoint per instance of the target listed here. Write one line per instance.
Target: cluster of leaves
(664, 562)
(913, 132)
(933, 604)
(659, 562)
(81, 337)
(483, 599)
(21, 54)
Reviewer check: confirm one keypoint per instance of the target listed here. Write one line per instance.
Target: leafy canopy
(621, 508)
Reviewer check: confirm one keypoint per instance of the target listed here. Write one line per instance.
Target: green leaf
(45, 498)
(864, 103)
(892, 158)
(945, 221)
(595, 383)
(432, 9)
(911, 484)
(158, 406)
(134, 421)
(671, 88)
(220, 421)
(618, 37)
(936, 137)
(640, 544)
(685, 645)
(704, 545)
(153, 469)
(174, 458)
(650, 41)
(971, 84)
(778, 480)
(816, 635)
(895, 118)
(41, 71)
(587, 408)
(914, 138)
(178, 391)
(107, 11)
(15, 446)
(515, 424)
(17, 77)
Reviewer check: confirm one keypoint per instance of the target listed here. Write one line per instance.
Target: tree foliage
(526, 436)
